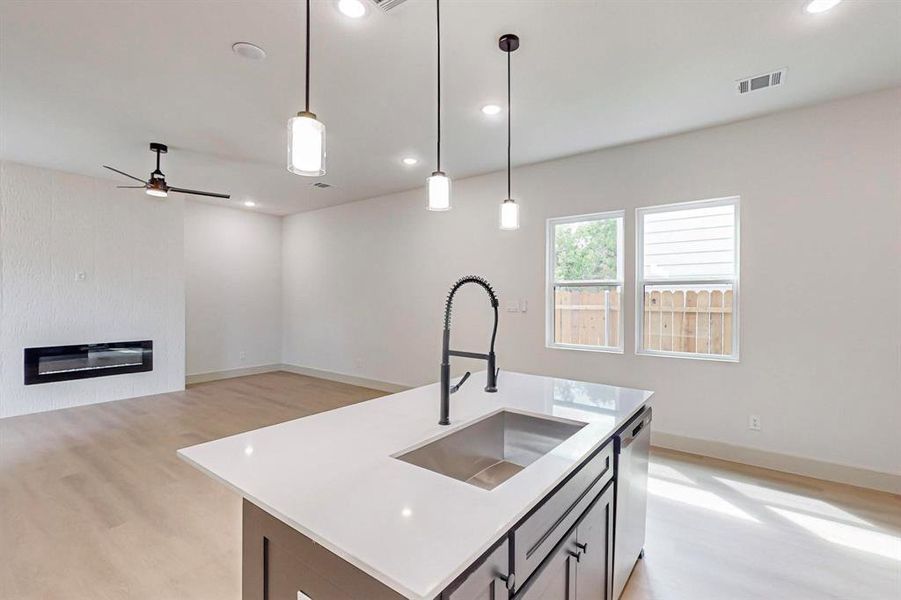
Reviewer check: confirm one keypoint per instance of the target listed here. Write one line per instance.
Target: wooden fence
(587, 317)
(693, 321)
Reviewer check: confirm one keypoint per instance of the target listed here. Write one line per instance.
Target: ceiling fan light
(306, 145)
(509, 215)
(438, 186)
(156, 192)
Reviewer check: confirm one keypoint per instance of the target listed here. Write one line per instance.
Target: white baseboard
(216, 375)
(808, 467)
(375, 384)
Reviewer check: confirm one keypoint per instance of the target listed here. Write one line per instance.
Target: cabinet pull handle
(582, 547)
(577, 555)
(509, 581)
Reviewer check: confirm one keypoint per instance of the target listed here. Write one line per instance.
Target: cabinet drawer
(535, 537)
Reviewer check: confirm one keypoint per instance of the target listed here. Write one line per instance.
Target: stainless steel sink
(493, 449)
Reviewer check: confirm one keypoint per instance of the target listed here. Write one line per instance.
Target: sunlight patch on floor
(662, 471)
(851, 536)
(696, 497)
(806, 504)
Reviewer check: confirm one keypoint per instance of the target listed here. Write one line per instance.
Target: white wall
(233, 288)
(364, 283)
(130, 247)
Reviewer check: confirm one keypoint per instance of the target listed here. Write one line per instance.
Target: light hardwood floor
(94, 504)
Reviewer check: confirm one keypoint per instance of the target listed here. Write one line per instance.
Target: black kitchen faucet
(446, 352)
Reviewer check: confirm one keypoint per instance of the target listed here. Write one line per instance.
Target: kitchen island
(362, 501)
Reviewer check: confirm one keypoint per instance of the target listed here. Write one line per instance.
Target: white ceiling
(87, 83)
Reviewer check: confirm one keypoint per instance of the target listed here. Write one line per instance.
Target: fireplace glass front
(61, 363)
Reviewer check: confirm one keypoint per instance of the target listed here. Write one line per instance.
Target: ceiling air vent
(322, 185)
(761, 82)
(387, 5)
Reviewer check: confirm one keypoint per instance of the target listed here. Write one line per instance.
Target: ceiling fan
(156, 185)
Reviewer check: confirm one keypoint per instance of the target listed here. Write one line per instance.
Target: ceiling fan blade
(131, 187)
(198, 193)
(124, 173)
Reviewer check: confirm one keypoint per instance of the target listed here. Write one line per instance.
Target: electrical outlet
(242, 356)
(754, 423)
(80, 275)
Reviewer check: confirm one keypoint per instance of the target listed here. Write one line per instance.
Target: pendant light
(306, 134)
(439, 184)
(509, 208)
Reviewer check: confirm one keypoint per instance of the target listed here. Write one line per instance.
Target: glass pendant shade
(509, 214)
(158, 193)
(438, 186)
(306, 145)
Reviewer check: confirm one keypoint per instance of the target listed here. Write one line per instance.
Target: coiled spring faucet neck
(448, 305)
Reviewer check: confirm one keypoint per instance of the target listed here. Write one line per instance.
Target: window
(687, 279)
(585, 282)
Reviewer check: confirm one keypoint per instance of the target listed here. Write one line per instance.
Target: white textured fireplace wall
(83, 262)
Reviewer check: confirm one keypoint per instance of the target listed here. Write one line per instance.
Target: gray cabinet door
(556, 578)
(487, 581)
(594, 544)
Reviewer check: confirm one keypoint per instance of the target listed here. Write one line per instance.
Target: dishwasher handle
(635, 429)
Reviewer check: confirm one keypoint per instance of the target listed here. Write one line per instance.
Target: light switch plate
(517, 306)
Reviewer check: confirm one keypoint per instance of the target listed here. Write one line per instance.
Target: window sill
(603, 349)
(683, 355)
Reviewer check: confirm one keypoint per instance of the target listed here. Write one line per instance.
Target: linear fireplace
(80, 361)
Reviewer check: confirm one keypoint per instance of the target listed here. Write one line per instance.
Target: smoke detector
(387, 5)
(761, 82)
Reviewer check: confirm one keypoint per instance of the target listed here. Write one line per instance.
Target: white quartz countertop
(332, 476)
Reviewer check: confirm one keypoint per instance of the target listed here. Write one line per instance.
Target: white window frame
(551, 282)
(641, 282)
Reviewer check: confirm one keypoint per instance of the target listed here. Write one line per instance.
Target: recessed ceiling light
(820, 6)
(491, 109)
(352, 8)
(249, 203)
(248, 50)
(410, 161)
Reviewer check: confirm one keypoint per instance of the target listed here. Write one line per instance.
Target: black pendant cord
(508, 125)
(307, 74)
(438, 36)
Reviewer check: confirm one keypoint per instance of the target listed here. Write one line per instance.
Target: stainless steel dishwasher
(631, 498)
